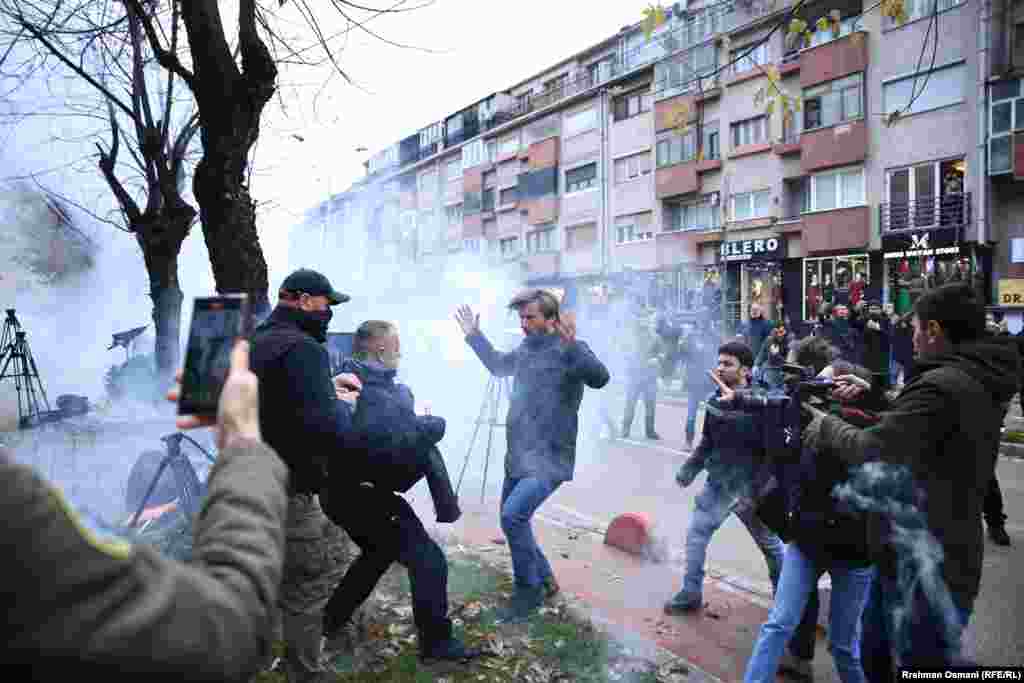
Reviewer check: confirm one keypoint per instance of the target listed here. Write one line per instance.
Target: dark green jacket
(936, 448)
(98, 609)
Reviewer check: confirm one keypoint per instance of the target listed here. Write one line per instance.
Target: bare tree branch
(167, 60)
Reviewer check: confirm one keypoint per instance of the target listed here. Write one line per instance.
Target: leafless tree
(143, 159)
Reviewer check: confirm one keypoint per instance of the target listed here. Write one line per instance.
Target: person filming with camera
(932, 457)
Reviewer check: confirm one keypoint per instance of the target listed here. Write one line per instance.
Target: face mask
(316, 323)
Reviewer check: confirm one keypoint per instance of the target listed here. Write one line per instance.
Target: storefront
(921, 260)
(843, 279)
(753, 275)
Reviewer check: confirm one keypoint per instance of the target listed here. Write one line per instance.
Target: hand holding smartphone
(217, 322)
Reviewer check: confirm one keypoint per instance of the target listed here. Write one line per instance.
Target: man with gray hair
(550, 368)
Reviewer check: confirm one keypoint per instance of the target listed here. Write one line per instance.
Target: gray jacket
(546, 393)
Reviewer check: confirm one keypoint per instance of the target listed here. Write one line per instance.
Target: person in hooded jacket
(302, 418)
(843, 335)
(773, 356)
(933, 455)
(550, 369)
(821, 536)
(757, 329)
(875, 331)
(381, 522)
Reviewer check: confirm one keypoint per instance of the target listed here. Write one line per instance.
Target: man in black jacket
(550, 369)
(303, 420)
(382, 523)
(933, 456)
(875, 331)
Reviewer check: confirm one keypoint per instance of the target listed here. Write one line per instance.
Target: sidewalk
(625, 594)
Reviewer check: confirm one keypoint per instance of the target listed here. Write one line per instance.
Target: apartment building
(582, 174)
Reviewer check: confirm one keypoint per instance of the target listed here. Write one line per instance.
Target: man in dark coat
(930, 458)
(381, 522)
(757, 329)
(843, 335)
(875, 331)
(643, 352)
(303, 420)
(550, 369)
(700, 353)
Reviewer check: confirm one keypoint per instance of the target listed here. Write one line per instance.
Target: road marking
(647, 444)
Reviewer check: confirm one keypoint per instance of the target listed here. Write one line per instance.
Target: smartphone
(217, 321)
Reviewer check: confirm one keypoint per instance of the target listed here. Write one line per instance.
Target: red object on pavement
(630, 532)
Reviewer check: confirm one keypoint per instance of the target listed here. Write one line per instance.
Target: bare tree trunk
(160, 239)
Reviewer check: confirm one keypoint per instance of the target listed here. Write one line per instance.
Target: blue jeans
(713, 506)
(924, 637)
(799, 577)
(520, 498)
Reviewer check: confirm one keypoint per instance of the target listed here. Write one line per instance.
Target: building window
(509, 247)
(580, 237)
(834, 102)
(540, 240)
(453, 169)
(750, 132)
(473, 154)
(428, 184)
(919, 9)
(749, 205)
(601, 71)
(940, 88)
(523, 101)
(430, 135)
(581, 178)
(454, 214)
(628, 106)
(836, 189)
(833, 280)
(1006, 113)
(681, 73)
(471, 245)
(846, 27)
(702, 215)
(509, 196)
(925, 195)
(711, 146)
(757, 57)
(631, 167)
(673, 148)
(508, 145)
(635, 228)
(580, 122)
(487, 199)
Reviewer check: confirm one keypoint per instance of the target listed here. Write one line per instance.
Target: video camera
(800, 383)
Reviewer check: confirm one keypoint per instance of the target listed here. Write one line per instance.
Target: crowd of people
(882, 490)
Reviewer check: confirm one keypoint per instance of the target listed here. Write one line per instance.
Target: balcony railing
(951, 210)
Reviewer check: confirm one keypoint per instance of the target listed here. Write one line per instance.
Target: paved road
(638, 476)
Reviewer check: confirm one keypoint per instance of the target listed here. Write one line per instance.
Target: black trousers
(801, 644)
(637, 388)
(993, 506)
(387, 530)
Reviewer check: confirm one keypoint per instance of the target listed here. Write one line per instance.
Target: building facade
(899, 171)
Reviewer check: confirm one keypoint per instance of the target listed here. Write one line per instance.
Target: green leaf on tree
(654, 16)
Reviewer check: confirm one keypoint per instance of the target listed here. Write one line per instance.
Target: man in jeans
(549, 368)
(732, 451)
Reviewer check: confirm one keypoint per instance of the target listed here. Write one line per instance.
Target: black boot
(450, 650)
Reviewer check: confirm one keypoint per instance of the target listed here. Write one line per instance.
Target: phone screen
(216, 323)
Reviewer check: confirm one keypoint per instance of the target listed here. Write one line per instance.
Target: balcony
(680, 179)
(789, 143)
(834, 59)
(949, 211)
(541, 264)
(839, 145)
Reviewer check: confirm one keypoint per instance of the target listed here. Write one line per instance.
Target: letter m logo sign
(919, 241)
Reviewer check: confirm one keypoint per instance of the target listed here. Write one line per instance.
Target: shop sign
(921, 243)
(1011, 292)
(767, 249)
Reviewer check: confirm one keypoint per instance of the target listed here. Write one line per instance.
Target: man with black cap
(303, 419)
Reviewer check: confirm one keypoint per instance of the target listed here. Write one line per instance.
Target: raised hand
(467, 320)
(566, 328)
(727, 394)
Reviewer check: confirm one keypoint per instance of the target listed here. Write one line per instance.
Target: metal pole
(490, 434)
(476, 430)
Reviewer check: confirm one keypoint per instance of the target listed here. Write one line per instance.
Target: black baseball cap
(315, 284)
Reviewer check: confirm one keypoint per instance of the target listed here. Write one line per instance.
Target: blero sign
(767, 249)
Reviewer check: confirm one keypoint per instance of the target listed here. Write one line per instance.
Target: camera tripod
(489, 408)
(14, 350)
(185, 476)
